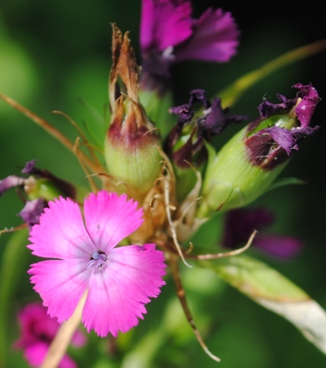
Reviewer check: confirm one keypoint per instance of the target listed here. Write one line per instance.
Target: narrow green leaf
(286, 181)
(10, 272)
(275, 292)
(233, 92)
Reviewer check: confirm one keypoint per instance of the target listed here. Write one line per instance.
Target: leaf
(233, 92)
(286, 181)
(13, 264)
(275, 292)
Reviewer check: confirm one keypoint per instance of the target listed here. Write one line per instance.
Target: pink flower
(168, 23)
(215, 38)
(38, 329)
(119, 280)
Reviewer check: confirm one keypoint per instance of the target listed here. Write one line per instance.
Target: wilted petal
(30, 168)
(117, 294)
(306, 107)
(10, 181)
(283, 137)
(32, 211)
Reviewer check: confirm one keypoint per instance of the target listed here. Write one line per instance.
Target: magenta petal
(306, 107)
(36, 353)
(60, 285)
(118, 293)
(215, 38)
(164, 23)
(61, 232)
(110, 218)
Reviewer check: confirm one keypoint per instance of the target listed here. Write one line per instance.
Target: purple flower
(213, 121)
(37, 330)
(273, 137)
(169, 35)
(10, 181)
(240, 223)
(32, 211)
(85, 256)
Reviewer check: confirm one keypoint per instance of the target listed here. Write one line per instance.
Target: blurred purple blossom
(169, 35)
(37, 330)
(240, 223)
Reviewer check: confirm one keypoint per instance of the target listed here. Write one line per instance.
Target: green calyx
(231, 180)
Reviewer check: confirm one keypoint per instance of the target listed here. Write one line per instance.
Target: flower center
(97, 260)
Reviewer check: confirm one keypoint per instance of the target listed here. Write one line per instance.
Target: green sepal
(157, 109)
(231, 180)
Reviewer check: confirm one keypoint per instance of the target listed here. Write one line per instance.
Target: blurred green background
(53, 55)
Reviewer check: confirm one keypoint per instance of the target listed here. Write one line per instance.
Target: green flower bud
(41, 188)
(131, 145)
(43, 184)
(249, 163)
(231, 180)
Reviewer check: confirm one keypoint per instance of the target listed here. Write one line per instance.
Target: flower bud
(131, 145)
(250, 162)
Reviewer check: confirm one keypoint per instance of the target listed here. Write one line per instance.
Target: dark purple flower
(213, 121)
(37, 330)
(32, 211)
(216, 119)
(169, 35)
(30, 168)
(240, 223)
(273, 137)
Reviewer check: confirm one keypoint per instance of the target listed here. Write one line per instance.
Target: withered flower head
(131, 145)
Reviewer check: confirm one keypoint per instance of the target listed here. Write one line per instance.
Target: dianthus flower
(168, 35)
(38, 330)
(85, 257)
